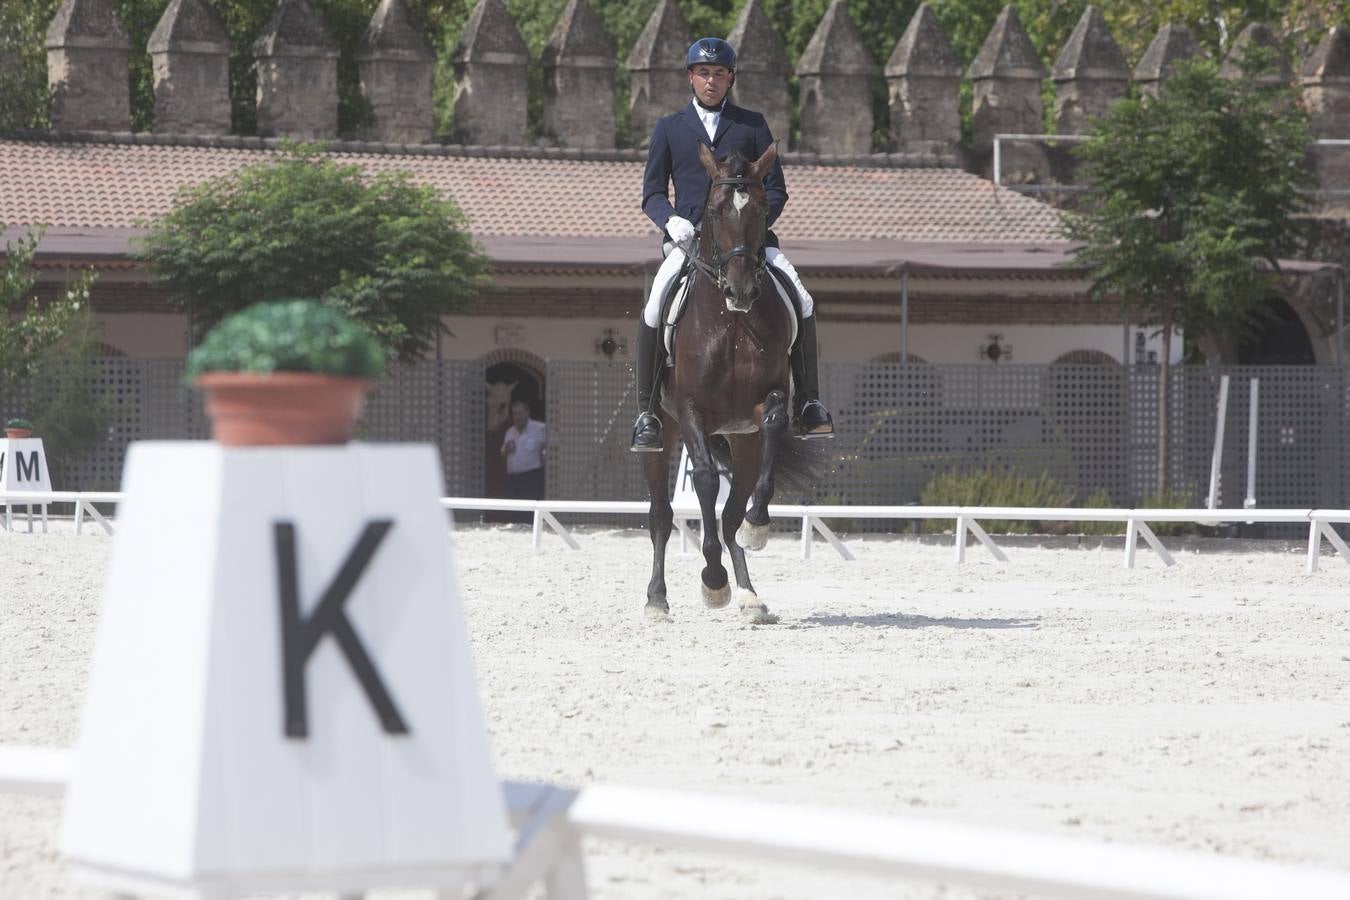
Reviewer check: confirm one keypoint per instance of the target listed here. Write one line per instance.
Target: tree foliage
(393, 255)
(967, 22)
(26, 336)
(1192, 198)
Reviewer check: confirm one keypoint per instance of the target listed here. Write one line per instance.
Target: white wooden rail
(551, 822)
(966, 519)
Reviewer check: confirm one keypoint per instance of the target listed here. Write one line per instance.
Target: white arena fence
(1092, 427)
(551, 822)
(965, 519)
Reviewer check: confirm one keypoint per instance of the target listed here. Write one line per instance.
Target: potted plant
(286, 372)
(18, 428)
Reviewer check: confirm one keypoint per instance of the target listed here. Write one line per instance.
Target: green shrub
(1175, 497)
(19, 423)
(71, 415)
(990, 487)
(288, 336)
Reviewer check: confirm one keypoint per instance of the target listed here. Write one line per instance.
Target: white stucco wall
(860, 342)
(574, 339)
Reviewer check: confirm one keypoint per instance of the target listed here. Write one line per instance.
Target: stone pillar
(397, 66)
(1172, 44)
(1261, 35)
(1326, 96)
(1007, 75)
(924, 76)
(87, 68)
(491, 79)
(1090, 74)
(578, 64)
(658, 83)
(190, 53)
(762, 70)
(297, 74)
(835, 105)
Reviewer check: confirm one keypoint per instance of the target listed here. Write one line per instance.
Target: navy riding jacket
(673, 157)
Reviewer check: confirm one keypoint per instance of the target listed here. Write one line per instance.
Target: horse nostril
(754, 293)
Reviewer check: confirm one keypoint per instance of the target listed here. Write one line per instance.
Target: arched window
(1086, 358)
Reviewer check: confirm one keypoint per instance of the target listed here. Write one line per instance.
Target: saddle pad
(676, 309)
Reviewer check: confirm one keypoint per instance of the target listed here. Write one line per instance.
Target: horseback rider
(672, 156)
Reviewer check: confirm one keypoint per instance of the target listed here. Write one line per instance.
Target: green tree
(46, 357)
(1192, 199)
(29, 328)
(23, 96)
(391, 254)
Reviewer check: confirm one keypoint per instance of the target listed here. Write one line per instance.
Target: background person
(523, 449)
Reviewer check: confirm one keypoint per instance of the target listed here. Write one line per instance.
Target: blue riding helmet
(710, 51)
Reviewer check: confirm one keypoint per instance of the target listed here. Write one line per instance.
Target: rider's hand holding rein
(680, 229)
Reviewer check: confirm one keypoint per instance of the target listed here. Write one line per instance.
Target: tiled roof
(114, 184)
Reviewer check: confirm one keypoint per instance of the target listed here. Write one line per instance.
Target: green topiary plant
(289, 336)
(19, 423)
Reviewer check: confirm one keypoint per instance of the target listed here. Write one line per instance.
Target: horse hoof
(716, 598)
(752, 537)
(753, 611)
(657, 613)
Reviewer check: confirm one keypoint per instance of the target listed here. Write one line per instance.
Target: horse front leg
(754, 533)
(660, 521)
(716, 590)
(745, 459)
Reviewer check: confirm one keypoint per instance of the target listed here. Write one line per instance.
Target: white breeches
(670, 270)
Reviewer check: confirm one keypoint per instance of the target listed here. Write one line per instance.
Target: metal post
(1217, 459)
(998, 163)
(1250, 502)
(904, 315)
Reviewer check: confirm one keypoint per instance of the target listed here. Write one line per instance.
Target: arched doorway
(511, 375)
(1281, 339)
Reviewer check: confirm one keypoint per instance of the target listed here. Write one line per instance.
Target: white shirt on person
(709, 117)
(529, 452)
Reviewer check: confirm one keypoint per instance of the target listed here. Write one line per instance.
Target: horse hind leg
(754, 532)
(660, 522)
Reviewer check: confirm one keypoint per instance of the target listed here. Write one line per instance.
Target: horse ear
(709, 162)
(760, 167)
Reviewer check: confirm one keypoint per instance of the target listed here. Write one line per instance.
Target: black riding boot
(812, 419)
(647, 436)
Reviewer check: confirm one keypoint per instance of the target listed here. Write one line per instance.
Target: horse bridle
(715, 269)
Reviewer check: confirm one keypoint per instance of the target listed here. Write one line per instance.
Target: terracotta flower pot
(248, 409)
(15, 434)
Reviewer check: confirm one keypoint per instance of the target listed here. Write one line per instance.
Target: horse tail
(799, 468)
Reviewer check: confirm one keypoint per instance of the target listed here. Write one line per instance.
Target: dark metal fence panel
(1301, 426)
(590, 411)
(1092, 427)
(146, 399)
(899, 425)
(436, 402)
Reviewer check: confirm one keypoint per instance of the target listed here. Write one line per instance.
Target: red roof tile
(113, 184)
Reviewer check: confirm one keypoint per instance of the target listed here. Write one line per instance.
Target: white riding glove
(679, 229)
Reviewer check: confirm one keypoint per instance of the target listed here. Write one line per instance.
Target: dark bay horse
(728, 391)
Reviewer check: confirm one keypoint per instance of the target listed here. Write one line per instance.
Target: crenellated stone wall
(296, 62)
